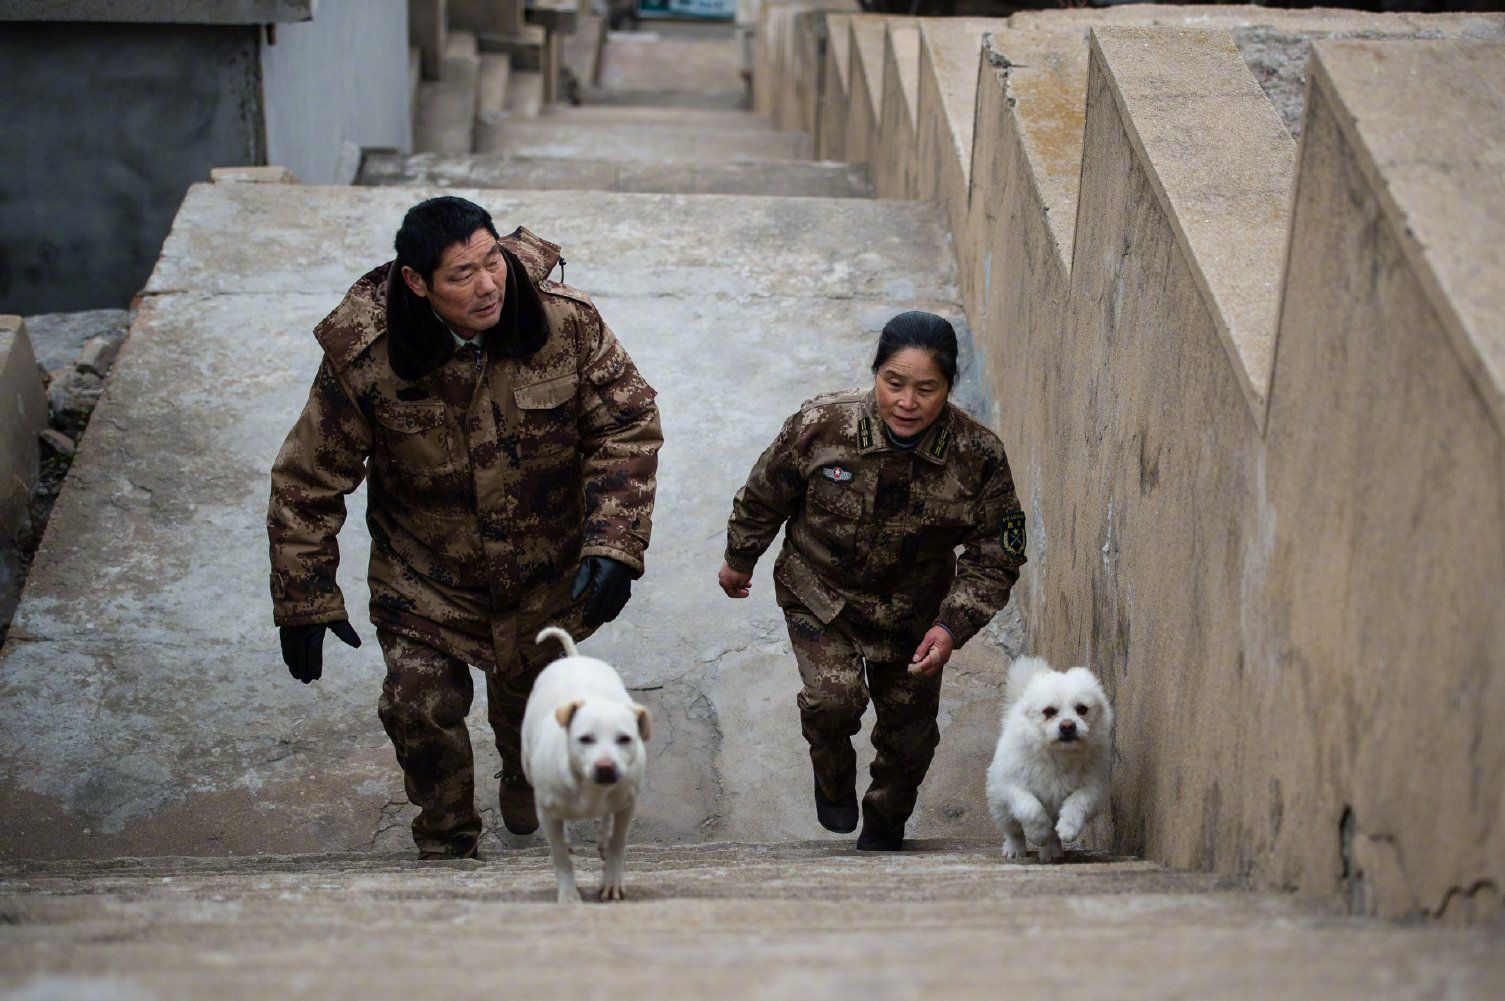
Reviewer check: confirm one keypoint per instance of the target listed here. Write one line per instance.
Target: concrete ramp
(143, 705)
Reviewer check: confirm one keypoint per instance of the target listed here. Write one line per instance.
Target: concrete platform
(790, 178)
(806, 920)
(544, 138)
(657, 117)
(143, 705)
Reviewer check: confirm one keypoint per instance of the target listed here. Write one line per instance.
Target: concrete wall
(117, 121)
(335, 84)
(1256, 413)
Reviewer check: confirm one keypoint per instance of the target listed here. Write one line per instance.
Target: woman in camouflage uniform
(879, 487)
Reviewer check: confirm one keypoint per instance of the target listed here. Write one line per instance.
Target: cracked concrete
(803, 919)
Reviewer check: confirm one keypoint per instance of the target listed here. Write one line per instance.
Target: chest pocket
(833, 514)
(942, 525)
(415, 435)
(548, 416)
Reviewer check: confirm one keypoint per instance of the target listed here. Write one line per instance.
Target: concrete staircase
(800, 920)
(661, 114)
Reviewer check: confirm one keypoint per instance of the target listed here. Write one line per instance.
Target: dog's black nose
(1068, 729)
(606, 775)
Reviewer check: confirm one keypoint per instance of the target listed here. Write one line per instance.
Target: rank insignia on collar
(942, 442)
(837, 474)
(1011, 532)
(864, 433)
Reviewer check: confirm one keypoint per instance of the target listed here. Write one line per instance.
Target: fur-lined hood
(417, 341)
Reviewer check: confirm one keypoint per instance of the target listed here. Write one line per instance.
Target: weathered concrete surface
(143, 708)
(1385, 443)
(25, 409)
(865, 116)
(444, 120)
(894, 154)
(807, 920)
(835, 92)
(543, 138)
(707, 69)
(790, 178)
(655, 117)
(945, 113)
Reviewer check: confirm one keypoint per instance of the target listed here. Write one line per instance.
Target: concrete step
(649, 61)
(666, 97)
(580, 51)
(621, 116)
(794, 178)
(143, 705)
(524, 97)
(736, 921)
(491, 86)
(551, 139)
(444, 120)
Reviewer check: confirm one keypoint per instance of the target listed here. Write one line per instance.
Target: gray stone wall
(109, 124)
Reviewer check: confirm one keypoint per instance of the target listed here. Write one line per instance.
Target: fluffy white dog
(583, 753)
(1049, 775)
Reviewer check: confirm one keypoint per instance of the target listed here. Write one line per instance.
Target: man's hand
(933, 652)
(611, 585)
(303, 647)
(735, 583)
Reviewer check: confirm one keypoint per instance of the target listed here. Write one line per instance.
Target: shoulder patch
(941, 445)
(1011, 533)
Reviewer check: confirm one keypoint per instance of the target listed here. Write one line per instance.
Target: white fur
(579, 723)
(1040, 787)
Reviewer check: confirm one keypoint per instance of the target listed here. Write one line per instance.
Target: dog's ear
(645, 727)
(566, 712)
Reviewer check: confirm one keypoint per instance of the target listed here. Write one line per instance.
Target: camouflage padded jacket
(491, 473)
(873, 530)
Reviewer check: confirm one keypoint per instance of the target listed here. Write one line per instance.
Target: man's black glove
(303, 647)
(611, 585)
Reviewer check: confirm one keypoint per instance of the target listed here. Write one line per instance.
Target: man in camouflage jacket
(510, 448)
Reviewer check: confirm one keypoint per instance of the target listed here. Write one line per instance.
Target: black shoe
(840, 815)
(877, 838)
(516, 798)
(471, 853)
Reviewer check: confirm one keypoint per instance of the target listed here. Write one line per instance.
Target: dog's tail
(1020, 673)
(564, 638)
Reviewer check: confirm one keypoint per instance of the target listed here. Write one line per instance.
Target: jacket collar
(934, 445)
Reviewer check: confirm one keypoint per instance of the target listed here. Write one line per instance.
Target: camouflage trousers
(838, 681)
(424, 701)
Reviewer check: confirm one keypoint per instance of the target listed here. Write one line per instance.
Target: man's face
(466, 290)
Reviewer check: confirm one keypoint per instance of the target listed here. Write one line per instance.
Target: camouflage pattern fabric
(873, 530)
(489, 477)
(837, 684)
(424, 701)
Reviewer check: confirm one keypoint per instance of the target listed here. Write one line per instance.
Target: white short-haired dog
(1049, 775)
(583, 753)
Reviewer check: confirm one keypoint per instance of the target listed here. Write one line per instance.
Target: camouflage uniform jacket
(490, 476)
(873, 530)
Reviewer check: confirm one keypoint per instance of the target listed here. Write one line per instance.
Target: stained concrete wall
(1257, 425)
(336, 84)
(118, 120)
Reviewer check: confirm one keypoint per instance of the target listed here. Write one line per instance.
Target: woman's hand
(734, 582)
(933, 652)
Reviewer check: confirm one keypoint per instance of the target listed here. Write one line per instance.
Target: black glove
(611, 585)
(303, 647)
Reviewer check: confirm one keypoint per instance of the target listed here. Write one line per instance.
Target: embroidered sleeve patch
(1011, 532)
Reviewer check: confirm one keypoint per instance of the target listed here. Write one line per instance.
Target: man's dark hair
(926, 331)
(432, 227)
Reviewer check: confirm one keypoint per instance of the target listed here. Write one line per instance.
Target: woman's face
(911, 391)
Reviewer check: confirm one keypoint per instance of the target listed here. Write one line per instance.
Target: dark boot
(878, 837)
(516, 796)
(838, 815)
